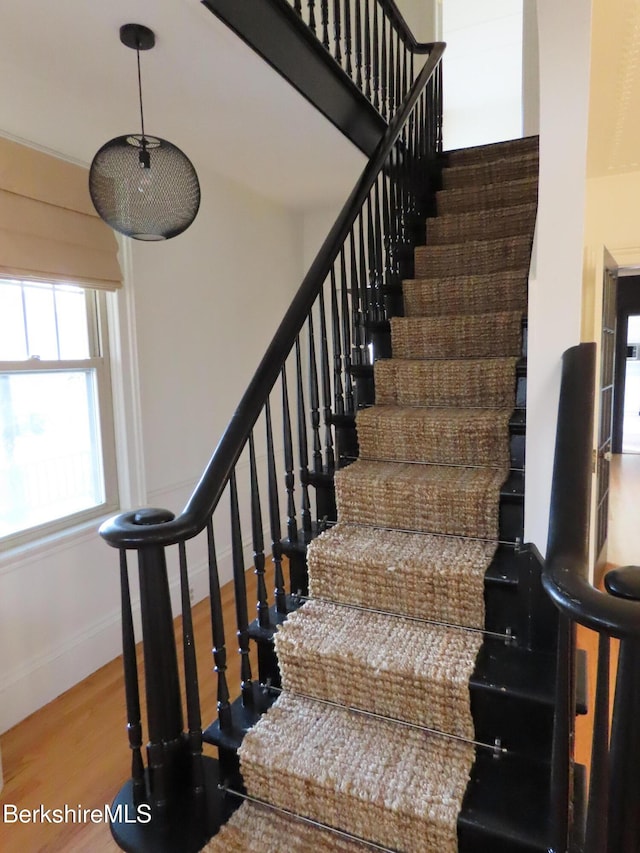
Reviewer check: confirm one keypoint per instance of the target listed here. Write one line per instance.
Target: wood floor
(74, 751)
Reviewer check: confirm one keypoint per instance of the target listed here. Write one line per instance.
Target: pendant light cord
(140, 91)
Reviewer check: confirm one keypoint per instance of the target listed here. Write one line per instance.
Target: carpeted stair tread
(484, 382)
(492, 151)
(487, 197)
(481, 225)
(494, 172)
(359, 659)
(477, 257)
(498, 334)
(426, 498)
(258, 829)
(388, 783)
(409, 573)
(470, 294)
(447, 436)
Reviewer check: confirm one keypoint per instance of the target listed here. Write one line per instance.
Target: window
(57, 455)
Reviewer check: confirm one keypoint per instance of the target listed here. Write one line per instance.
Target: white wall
(530, 69)
(482, 71)
(424, 18)
(204, 306)
(556, 283)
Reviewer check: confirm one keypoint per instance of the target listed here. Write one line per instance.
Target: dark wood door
(607, 361)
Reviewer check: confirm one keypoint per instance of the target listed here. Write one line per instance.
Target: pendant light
(141, 185)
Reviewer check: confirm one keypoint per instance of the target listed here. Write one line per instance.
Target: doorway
(626, 395)
(631, 383)
(624, 534)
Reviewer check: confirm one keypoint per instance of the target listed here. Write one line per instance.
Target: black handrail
(565, 576)
(132, 530)
(403, 29)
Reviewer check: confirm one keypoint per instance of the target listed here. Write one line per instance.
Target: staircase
(417, 703)
(416, 687)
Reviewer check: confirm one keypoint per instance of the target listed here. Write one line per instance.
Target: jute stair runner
(485, 197)
(324, 653)
(397, 584)
(475, 336)
(408, 434)
(479, 256)
(482, 382)
(481, 225)
(365, 774)
(505, 169)
(468, 294)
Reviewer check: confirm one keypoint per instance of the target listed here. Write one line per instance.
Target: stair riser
(487, 225)
(479, 841)
(495, 293)
(490, 173)
(474, 257)
(511, 524)
(493, 197)
(523, 727)
(492, 152)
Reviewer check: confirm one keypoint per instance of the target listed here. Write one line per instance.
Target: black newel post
(624, 767)
(174, 805)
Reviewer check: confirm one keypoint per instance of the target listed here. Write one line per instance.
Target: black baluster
(326, 386)
(411, 69)
(358, 44)
(274, 517)
(356, 308)
(346, 334)
(392, 70)
(337, 31)
(624, 788)
(596, 834)
(217, 634)
(347, 38)
(297, 6)
(289, 479)
(303, 452)
(262, 606)
(379, 249)
(338, 394)
(397, 70)
(376, 59)
(365, 290)
(132, 692)
(393, 302)
(367, 49)
(405, 62)
(559, 790)
(373, 268)
(325, 23)
(314, 398)
(240, 591)
(312, 15)
(192, 692)
(384, 68)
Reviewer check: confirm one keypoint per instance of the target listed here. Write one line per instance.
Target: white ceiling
(68, 84)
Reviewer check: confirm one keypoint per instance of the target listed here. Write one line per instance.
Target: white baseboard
(43, 677)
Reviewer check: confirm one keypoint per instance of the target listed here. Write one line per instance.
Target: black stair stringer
(283, 40)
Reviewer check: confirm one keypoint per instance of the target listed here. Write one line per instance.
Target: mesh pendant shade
(144, 187)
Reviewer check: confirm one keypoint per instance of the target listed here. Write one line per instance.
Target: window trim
(100, 362)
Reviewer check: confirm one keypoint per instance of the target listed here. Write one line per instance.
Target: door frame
(605, 395)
